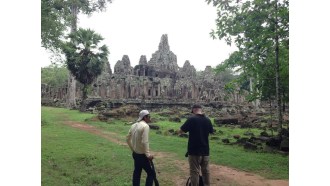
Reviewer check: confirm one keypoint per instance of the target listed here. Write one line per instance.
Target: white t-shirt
(138, 138)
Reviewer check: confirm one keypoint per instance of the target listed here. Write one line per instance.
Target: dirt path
(220, 175)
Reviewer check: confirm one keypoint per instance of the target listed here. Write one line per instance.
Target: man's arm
(184, 127)
(129, 140)
(145, 142)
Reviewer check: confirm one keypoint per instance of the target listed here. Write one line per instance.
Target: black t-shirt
(199, 128)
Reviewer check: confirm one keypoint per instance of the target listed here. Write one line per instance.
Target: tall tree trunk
(84, 97)
(256, 103)
(278, 92)
(271, 117)
(71, 96)
(71, 100)
(283, 102)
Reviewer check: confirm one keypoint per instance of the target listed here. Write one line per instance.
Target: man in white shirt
(138, 141)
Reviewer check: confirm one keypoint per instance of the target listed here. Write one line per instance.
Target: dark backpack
(201, 183)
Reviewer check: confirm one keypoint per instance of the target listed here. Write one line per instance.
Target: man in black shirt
(199, 127)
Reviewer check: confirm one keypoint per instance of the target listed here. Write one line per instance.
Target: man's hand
(179, 132)
(150, 157)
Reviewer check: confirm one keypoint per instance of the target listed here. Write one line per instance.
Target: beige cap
(142, 114)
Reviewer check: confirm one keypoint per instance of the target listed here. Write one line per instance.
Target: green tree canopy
(54, 75)
(85, 58)
(260, 30)
(54, 23)
(253, 25)
(57, 16)
(227, 75)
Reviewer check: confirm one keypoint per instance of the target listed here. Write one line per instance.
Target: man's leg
(205, 170)
(137, 169)
(194, 162)
(150, 173)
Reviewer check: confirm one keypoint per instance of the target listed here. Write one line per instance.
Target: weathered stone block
(274, 142)
(231, 121)
(250, 146)
(175, 119)
(225, 140)
(284, 146)
(153, 126)
(214, 138)
(236, 136)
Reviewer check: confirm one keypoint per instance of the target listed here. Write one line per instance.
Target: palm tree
(85, 58)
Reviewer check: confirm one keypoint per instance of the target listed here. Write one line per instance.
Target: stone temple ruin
(159, 80)
(161, 83)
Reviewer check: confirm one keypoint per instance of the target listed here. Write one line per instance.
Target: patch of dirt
(220, 175)
(113, 137)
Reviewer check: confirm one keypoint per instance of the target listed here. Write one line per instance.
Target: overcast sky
(134, 28)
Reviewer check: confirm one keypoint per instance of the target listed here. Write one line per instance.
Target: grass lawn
(74, 157)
